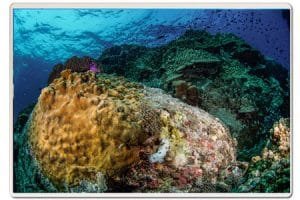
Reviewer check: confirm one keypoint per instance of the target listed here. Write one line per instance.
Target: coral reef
(134, 62)
(219, 73)
(86, 126)
(101, 132)
(270, 171)
(115, 58)
(23, 118)
(189, 62)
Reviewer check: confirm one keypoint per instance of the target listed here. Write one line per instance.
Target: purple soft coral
(94, 68)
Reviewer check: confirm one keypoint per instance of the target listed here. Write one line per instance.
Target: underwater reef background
(45, 37)
(186, 109)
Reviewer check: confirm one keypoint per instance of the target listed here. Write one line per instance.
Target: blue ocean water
(45, 37)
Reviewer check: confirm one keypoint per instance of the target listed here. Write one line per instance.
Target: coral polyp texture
(82, 125)
(85, 124)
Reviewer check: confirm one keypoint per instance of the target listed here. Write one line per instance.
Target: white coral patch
(159, 156)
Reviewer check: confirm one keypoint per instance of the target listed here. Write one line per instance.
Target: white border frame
(149, 5)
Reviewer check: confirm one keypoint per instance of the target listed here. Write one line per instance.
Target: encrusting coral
(85, 124)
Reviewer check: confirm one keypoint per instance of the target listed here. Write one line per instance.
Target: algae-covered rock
(192, 146)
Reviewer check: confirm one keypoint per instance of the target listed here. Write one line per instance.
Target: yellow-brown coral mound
(82, 125)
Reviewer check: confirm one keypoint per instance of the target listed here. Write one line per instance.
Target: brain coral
(84, 124)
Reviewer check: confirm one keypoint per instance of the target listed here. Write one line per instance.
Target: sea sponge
(82, 125)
